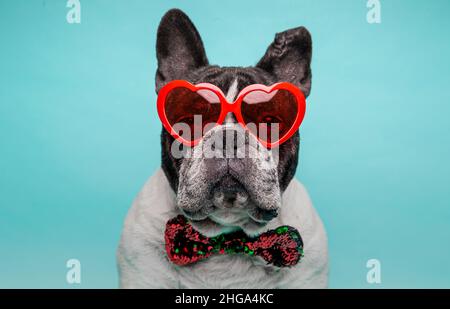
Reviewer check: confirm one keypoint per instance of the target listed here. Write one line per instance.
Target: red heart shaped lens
(188, 112)
(269, 115)
(272, 114)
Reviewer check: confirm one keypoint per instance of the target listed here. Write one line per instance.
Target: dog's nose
(229, 197)
(229, 193)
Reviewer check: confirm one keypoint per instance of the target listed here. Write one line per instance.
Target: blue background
(79, 134)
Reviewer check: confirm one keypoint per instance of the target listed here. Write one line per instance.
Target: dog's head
(231, 191)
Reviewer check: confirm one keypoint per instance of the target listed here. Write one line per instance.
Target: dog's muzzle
(235, 185)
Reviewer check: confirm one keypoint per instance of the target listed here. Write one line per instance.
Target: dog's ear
(179, 48)
(289, 58)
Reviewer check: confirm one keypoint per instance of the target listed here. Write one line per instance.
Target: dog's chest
(229, 271)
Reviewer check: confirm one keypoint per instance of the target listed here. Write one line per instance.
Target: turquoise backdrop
(79, 134)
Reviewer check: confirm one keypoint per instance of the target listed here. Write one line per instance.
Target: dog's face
(242, 188)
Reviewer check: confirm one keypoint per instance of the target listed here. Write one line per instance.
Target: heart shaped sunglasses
(271, 113)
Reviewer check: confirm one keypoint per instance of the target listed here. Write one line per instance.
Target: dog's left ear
(289, 58)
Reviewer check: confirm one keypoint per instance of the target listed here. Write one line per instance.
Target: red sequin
(281, 247)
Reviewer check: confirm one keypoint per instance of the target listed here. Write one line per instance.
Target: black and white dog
(222, 194)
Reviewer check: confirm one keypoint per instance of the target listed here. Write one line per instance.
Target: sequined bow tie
(184, 245)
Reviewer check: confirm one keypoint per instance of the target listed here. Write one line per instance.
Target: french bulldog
(254, 194)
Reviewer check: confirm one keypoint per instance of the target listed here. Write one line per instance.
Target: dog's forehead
(232, 92)
(231, 80)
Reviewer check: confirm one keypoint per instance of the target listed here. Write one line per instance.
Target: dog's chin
(221, 221)
(210, 227)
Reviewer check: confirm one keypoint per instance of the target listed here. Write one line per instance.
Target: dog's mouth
(217, 223)
(232, 217)
(230, 205)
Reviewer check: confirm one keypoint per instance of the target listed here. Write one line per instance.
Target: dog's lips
(229, 217)
(261, 215)
(213, 220)
(233, 217)
(222, 216)
(199, 215)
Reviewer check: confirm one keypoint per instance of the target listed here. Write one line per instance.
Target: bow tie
(184, 245)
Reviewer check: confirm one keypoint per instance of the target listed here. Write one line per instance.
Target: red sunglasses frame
(233, 107)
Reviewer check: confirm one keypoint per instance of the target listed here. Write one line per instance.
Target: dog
(219, 195)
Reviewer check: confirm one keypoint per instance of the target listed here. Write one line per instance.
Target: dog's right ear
(179, 48)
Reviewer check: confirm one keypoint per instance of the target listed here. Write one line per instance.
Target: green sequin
(281, 230)
(294, 235)
(200, 252)
(177, 250)
(229, 250)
